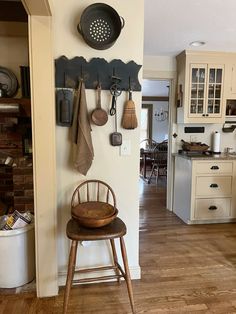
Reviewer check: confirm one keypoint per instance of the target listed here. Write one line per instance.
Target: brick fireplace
(16, 178)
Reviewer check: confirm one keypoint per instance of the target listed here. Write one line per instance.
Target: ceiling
(170, 25)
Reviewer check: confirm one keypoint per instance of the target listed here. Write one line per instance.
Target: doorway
(154, 133)
(43, 142)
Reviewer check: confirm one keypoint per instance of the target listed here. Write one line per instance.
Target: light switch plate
(125, 148)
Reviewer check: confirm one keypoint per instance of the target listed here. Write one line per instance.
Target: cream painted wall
(14, 52)
(153, 64)
(122, 173)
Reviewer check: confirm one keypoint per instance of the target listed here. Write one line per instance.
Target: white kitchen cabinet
(203, 190)
(201, 84)
(233, 80)
(230, 77)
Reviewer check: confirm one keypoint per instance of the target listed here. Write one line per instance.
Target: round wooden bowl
(93, 210)
(95, 222)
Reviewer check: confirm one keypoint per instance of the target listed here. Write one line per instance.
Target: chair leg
(127, 273)
(115, 259)
(157, 174)
(70, 274)
(152, 171)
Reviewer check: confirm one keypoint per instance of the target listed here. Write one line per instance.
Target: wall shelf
(25, 106)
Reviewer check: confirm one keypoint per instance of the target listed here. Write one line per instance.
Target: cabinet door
(197, 92)
(214, 90)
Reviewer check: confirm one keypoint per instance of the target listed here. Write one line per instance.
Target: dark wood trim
(21, 101)
(25, 107)
(155, 98)
(150, 115)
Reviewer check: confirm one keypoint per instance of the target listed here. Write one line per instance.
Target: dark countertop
(207, 157)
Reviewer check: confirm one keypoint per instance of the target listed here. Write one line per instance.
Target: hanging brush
(129, 119)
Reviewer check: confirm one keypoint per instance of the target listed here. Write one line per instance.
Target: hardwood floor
(185, 269)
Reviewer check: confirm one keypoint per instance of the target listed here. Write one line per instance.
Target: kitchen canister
(216, 143)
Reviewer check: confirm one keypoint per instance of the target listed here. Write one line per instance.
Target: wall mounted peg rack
(97, 70)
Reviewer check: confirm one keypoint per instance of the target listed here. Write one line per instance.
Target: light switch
(125, 148)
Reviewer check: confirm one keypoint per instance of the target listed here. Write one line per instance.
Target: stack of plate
(8, 82)
(94, 214)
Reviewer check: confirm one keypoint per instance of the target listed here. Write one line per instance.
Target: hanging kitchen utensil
(100, 26)
(115, 137)
(115, 91)
(129, 119)
(99, 116)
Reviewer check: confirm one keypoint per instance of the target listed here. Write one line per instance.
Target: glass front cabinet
(200, 87)
(205, 94)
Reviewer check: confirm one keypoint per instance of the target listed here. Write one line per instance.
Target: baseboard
(135, 273)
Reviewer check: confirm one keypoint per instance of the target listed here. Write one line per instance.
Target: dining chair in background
(159, 161)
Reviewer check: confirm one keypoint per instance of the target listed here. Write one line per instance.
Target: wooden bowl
(93, 210)
(95, 222)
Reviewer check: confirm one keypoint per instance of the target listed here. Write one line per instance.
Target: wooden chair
(95, 190)
(159, 166)
(149, 145)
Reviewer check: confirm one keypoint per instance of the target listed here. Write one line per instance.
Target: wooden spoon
(99, 116)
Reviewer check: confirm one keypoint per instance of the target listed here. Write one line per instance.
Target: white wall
(227, 139)
(118, 171)
(159, 128)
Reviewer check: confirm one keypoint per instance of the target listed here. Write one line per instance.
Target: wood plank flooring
(185, 269)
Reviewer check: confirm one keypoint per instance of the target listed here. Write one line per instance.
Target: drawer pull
(214, 185)
(215, 168)
(212, 208)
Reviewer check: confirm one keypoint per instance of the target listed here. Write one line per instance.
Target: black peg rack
(95, 71)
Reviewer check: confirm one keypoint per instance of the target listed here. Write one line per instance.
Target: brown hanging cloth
(81, 132)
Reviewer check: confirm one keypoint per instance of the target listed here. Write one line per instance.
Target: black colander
(100, 25)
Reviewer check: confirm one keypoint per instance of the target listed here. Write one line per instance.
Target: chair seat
(115, 229)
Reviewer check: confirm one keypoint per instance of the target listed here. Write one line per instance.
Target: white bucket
(17, 257)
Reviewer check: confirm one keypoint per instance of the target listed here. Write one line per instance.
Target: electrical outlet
(125, 148)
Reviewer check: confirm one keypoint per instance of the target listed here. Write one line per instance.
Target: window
(146, 122)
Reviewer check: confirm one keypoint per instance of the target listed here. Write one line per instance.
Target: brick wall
(23, 188)
(16, 183)
(11, 133)
(6, 185)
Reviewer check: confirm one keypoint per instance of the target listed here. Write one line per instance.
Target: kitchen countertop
(207, 157)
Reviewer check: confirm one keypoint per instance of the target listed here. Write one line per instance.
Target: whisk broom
(129, 119)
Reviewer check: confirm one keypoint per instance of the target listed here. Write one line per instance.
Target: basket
(195, 146)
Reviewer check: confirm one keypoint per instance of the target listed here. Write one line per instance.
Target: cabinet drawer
(213, 186)
(212, 167)
(212, 208)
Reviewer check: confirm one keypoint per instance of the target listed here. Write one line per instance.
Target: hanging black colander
(100, 25)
